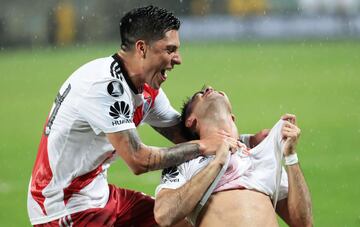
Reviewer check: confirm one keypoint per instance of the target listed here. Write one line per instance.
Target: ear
(191, 122)
(141, 48)
(233, 117)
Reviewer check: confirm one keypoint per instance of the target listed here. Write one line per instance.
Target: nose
(208, 89)
(177, 59)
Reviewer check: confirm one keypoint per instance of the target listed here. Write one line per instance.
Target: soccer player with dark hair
(253, 185)
(93, 122)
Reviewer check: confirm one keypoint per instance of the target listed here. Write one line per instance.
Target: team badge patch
(115, 89)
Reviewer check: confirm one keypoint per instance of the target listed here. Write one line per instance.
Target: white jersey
(254, 169)
(69, 174)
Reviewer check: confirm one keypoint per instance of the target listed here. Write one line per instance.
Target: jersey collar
(126, 75)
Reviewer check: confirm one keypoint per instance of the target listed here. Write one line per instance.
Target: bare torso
(238, 208)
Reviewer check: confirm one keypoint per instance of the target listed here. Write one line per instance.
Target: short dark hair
(149, 23)
(186, 110)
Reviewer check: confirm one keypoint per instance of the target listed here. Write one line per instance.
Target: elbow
(162, 219)
(137, 170)
(161, 214)
(303, 223)
(138, 165)
(304, 219)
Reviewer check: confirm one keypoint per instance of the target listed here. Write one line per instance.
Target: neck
(133, 67)
(208, 126)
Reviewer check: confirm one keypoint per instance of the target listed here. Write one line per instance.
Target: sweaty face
(209, 100)
(162, 56)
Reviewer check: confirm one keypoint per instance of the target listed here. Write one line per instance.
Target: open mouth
(163, 74)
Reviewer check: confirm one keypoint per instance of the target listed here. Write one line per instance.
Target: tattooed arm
(142, 158)
(173, 133)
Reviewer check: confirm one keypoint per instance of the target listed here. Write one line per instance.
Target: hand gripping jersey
(255, 169)
(74, 154)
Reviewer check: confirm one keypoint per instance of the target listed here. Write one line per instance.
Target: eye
(171, 49)
(198, 93)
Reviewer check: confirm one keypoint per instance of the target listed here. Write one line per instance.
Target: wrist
(291, 159)
(217, 163)
(201, 147)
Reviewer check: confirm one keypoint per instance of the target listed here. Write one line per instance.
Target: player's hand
(291, 134)
(289, 117)
(222, 154)
(258, 137)
(211, 144)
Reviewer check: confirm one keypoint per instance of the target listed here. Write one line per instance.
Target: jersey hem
(42, 220)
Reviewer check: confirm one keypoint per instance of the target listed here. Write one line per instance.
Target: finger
(291, 127)
(290, 134)
(289, 117)
(231, 142)
(241, 145)
(224, 133)
(288, 125)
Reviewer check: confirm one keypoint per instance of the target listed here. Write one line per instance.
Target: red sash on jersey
(149, 99)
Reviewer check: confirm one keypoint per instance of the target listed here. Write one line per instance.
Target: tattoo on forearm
(173, 156)
(172, 133)
(134, 140)
(168, 133)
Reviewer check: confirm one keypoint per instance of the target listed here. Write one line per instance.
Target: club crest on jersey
(115, 89)
(147, 102)
(121, 112)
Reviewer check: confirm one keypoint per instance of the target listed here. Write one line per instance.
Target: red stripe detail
(80, 182)
(149, 96)
(41, 174)
(138, 115)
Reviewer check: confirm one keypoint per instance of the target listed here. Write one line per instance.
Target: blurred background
(270, 56)
(61, 22)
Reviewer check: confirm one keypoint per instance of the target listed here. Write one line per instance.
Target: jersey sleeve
(171, 178)
(107, 106)
(162, 114)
